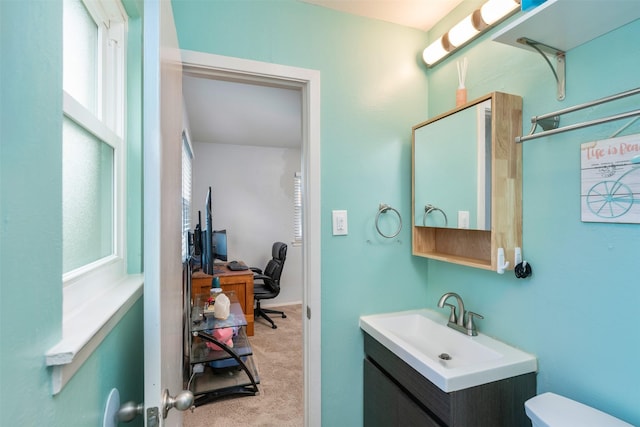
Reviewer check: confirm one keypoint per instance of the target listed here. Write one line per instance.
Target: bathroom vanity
(420, 371)
(395, 394)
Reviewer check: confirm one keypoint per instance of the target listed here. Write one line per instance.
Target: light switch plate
(340, 223)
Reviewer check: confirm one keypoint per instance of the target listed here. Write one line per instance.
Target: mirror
(452, 168)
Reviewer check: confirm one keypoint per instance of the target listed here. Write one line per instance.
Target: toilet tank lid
(553, 410)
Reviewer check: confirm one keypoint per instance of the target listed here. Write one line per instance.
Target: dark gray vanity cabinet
(397, 395)
(386, 404)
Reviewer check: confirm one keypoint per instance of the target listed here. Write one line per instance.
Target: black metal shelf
(230, 370)
(201, 353)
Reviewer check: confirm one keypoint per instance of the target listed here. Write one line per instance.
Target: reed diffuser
(461, 92)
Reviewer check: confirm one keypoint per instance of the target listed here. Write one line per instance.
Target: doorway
(308, 82)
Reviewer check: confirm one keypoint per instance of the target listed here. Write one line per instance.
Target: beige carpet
(278, 356)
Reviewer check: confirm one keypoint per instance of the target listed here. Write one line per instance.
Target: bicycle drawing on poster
(610, 187)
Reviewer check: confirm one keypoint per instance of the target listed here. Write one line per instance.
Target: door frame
(250, 71)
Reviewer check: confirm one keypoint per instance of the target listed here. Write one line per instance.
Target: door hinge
(308, 312)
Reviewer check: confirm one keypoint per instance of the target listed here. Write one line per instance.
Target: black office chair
(266, 284)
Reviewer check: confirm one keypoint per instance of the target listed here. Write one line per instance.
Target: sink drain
(444, 356)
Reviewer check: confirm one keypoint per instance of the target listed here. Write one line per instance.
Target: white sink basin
(420, 337)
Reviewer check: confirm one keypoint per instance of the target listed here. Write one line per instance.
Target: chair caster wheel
(284, 316)
(274, 327)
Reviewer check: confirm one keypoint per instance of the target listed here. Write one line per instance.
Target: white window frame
(106, 124)
(97, 295)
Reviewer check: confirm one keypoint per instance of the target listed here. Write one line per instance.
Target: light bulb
(494, 10)
(434, 52)
(462, 32)
(489, 13)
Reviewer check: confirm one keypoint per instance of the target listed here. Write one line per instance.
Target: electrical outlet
(463, 219)
(340, 224)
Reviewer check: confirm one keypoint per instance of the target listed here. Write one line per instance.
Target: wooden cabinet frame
(479, 248)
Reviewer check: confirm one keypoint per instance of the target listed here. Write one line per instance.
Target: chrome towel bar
(550, 121)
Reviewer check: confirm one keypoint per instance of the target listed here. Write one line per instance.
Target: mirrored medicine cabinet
(453, 162)
(467, 183)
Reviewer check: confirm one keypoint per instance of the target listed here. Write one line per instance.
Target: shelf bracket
(559, 70)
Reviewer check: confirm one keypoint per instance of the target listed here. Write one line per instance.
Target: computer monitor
(213, 242)
(207, 240)
(220, 244)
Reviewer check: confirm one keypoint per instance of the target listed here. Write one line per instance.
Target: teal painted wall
(577, 313)
(31, 237)
(373, 90)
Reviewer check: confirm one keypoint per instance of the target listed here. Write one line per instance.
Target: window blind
(187, 158)
(297, 207)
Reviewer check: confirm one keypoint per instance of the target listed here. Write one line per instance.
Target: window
(93, 137)
(187, 158)
(97, 292)
(297, 208)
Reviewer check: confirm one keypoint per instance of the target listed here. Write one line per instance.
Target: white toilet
(552, 410)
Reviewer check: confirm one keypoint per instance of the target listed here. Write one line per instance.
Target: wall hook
(502, 264)
(517, 258)
(523, 268)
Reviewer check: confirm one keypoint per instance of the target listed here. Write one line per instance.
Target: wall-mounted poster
(611, 180)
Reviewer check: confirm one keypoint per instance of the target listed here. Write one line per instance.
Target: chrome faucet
(457, 321)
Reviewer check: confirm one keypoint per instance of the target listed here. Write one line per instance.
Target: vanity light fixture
(490, 13)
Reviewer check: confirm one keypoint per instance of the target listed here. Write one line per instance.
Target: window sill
(86, 328)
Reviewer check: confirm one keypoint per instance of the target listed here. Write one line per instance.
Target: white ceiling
(227, 112)
(421, 14)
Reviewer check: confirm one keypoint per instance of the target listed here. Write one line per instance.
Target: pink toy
(224, 335)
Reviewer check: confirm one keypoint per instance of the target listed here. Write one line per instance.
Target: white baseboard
(283, 304)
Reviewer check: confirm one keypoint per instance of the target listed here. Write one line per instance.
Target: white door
(162, 127)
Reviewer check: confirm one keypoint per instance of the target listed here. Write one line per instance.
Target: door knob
(128, 411)
(182, 401)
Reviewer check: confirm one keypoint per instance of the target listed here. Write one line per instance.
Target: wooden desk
(241, 282)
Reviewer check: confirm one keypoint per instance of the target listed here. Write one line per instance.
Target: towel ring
(430, 208)
(383, 209)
